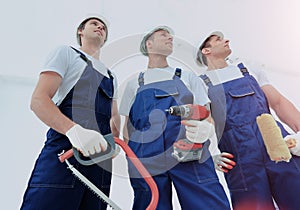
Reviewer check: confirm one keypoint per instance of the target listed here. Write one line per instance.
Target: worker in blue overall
(85, 111)
(152, 131)
(237, 98)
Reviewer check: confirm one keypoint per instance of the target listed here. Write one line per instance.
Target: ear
(205, 51)
(148, 44)
(79, 32)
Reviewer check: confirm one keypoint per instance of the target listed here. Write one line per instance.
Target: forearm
(115, 126)
(288, 114)
(125, 130)
(115, 119)
(283, 108)
(48, 112)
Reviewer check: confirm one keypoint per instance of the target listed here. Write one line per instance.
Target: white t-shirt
(191, 81)
(231, 72)
(69, 65)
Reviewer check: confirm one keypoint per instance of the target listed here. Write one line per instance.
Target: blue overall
(255, 179)
(52, 185)
(152, 133)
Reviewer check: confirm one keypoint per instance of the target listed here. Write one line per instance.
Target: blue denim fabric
(255, 179)
(152, 133)
(52, 185)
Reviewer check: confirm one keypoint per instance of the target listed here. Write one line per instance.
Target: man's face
(218, 47)
(160, 42)
(94, 30)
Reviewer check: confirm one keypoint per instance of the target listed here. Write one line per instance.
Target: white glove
(223, 162)
(198, 131)
(295, 150)
(88, 142)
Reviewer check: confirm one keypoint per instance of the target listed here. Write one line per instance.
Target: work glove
(293, 142)
(223, 162)
(198, 131)
(88, 142)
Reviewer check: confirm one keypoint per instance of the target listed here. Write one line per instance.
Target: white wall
(22, 136)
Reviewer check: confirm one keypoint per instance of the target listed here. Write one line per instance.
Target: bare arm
(43, 106)
(125, 131)
(115, 119)
(283, 108)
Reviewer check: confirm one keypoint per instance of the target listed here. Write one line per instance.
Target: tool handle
(200, 112)
(136, 162)
(143, 171)
(66, 155)
(97, 158)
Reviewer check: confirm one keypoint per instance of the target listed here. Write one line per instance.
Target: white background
(265, 33)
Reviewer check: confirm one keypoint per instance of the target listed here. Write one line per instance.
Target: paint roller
(277, 147)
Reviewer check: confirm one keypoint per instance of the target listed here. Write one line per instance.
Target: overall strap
(110, 74)
(141, 79)
(243, 69)
(177, 73)
(82, 56)
(206, 79)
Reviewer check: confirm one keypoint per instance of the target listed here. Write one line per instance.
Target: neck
(216, 64)
(157, 61)
(91, 49)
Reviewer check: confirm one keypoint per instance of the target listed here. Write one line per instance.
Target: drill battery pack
(184, 150)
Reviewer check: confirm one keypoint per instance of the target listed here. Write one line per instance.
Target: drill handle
(200, 112)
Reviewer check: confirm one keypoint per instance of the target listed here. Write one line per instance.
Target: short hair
(82, 25)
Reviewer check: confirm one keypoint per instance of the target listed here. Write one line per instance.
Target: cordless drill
(183, 149)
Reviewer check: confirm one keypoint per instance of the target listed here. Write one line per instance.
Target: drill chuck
(189, 111)
(181, 111)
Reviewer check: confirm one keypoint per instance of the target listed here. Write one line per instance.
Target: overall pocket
(50, 172)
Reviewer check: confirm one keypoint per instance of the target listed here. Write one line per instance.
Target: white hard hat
(198, 54)
(89, 17)
(143, 47)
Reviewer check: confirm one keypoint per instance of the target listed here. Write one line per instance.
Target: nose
(101, 27)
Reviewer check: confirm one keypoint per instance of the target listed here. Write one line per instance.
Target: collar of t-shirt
(97, 64)
(158, 74)
(226, 74)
